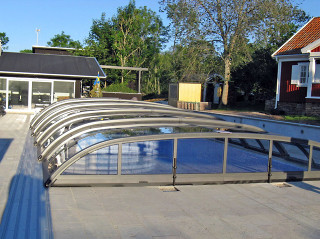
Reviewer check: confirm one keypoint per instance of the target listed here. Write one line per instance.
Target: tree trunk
(225, 92)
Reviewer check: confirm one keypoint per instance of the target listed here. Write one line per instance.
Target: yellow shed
(190, 92)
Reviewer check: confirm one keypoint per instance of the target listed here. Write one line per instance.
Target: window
(18, 94)
(63, 90)
(300, 74)
(303, 74)
(317, 74)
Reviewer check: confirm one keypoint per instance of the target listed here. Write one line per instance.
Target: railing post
(225, 155)
(270, 161)
(174, 171)
(310, 158)
(174, 163)
(119, 158)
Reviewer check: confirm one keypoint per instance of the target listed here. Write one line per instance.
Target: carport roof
(49, 65)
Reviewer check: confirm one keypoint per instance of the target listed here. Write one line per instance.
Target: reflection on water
(194, 156)
(148, 157)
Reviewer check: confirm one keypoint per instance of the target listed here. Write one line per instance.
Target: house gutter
(49, 75)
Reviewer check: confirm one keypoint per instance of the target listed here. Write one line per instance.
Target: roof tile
(308, 34)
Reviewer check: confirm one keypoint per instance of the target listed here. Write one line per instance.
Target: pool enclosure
(86, 142)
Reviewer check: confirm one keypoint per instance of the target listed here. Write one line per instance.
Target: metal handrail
(70, 103)
(98, 114)
(91, 106)
(52, 177)
(140, 122)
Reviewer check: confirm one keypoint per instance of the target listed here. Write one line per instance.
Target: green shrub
(119, 87)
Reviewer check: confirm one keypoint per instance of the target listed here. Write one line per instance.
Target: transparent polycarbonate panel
(200, 156)
(41, 93)
(3, 90)
(255, 144)
(244, 160)
(289, 157)
(315, 166)
(87, 140)
(18, 94)
(63, 90)
(148, 157)
(100, 162)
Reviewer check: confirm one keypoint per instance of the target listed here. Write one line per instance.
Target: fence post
(310, 158)
(225, 155)
(270, 161)
(174, 163)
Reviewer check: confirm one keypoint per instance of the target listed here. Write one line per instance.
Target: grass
(301, 118)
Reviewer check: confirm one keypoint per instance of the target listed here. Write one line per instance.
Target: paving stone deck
(28, 210)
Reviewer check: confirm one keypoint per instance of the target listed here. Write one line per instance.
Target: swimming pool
(118, 142)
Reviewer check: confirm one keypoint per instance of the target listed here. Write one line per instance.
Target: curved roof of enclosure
(60, 128)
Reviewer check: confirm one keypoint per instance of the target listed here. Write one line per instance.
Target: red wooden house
(298, 80)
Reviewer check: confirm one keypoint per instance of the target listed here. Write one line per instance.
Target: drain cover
(168, 189)
(282, 185)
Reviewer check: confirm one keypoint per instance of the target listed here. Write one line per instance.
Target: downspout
(0, 48)
(278, 83)
(312, 67)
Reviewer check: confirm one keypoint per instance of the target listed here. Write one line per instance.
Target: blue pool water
(194, 156)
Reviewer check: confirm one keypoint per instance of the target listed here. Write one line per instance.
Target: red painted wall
(315, 90)
(317, 49)
(288, 92)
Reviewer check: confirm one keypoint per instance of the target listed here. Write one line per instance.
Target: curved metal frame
(71, 109)
(80, 116)
(141, 122)
(51, 179)
(65, 113)
(70, 102)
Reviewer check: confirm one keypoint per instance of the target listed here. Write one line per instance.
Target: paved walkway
(25, 205)
(210, 211)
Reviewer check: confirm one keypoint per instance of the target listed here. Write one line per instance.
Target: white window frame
(316, 78)
(300, 74)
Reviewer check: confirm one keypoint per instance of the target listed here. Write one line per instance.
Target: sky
(19, 19)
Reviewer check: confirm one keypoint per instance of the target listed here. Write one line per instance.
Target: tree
(228, 24)
(138, 36)
(258, 76)
(63, 40)
(133, 37)
(4, 39)
(281, 22)
(26, 51)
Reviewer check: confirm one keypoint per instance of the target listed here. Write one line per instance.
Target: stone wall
(313, 109)
(309, 109)
(292, 108)
(269, 105)
(194, 105)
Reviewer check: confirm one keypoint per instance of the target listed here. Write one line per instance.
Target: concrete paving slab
(208, 211)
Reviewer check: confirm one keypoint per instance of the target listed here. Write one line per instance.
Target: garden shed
(29, 80)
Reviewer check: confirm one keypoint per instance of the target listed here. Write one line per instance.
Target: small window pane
(18, 94)
(41, 93)
(3, 87)
(148, 157)
(63, 90)
(315, 166)
(241, 159)
(103, 161)
(289, 157)
(200, 156)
